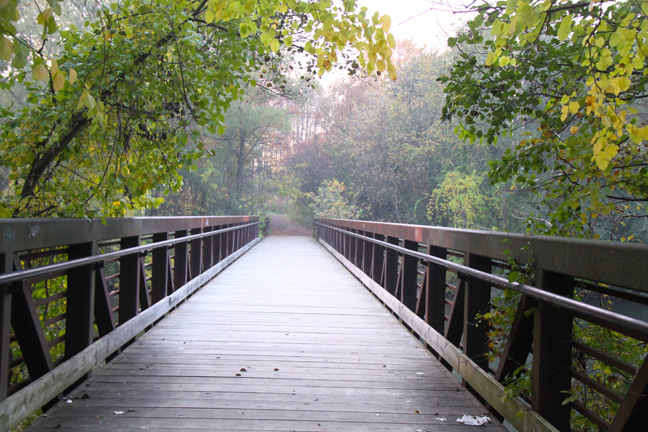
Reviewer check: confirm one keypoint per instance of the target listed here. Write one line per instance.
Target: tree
(572, 76)
(329, 202)
(459, 202)
(230, 177)
(113, 116)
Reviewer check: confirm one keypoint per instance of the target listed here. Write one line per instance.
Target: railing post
(409, 277)
(552, 352)
(6, 265)
(476, 301)
(80, 301)
(377, 259)
(129, 281)
(359, 250)
(224, 240)
(160, 269)
(391, 267)
(196, 254)
(207, 259)
(216, 246)
(180, 261)
(367, 254)
(436, 289)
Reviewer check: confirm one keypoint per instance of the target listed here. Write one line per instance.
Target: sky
(426, 22)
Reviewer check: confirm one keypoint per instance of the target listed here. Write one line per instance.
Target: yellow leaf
(58, 82)
(54, 69)
(274, 45)
(573, 107)
(6, 48)
(564, 112)
(491, 58)
(386, 22)
(83, 99)
(73, 76)
(39, 72)
(574, 130)
(44, 16)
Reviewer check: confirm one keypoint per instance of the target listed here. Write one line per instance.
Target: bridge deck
(284, 339)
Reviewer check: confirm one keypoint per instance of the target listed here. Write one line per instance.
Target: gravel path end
(280, 225)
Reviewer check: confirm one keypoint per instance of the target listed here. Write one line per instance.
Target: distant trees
(398, 161)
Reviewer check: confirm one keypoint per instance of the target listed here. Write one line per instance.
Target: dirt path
(280, 225)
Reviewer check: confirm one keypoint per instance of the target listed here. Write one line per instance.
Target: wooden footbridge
(199, 324)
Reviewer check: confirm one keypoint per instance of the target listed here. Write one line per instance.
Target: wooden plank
(304, 347)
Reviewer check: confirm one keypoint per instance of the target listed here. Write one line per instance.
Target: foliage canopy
(112, 115)
(570, 75)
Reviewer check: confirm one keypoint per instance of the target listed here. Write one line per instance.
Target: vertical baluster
(436, 288)
(476, 302)
(6, 265)
(207, 259)
(180, 261)
(367, 254)
(196, 254)
(409, 276)
(377, 259)
(216, 246)
(129, 281)
(552, 352)
(391, 266)
(79, 312)
(160, 269)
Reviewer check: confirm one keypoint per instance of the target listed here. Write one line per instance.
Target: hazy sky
(427, 22)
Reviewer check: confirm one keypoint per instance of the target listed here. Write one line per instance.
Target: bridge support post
(6, 265)
(160, 269)
(207, 259)
(552, 352)
(409, 277)
(476, 302)
(436, 287)
(196, 255)
(129, 281)
(79, 315)
(377, 259)
(367, 254)
(180, 261)
(391, 267)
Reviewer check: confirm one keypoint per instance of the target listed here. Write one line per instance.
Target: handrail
(624, 324)
(447, 293)
(19, 275)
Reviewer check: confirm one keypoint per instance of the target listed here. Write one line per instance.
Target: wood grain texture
(284, 339)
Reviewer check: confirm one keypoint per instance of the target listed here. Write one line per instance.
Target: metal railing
(541, 328)
(75, 292)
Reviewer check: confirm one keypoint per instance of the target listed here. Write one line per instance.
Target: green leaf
(244, 30)
(274, 45)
